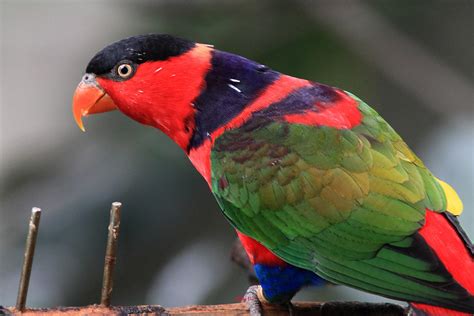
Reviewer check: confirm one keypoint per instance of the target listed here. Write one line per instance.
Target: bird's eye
(125, 70)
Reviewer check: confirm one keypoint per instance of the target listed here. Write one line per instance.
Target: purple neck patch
(232, 83)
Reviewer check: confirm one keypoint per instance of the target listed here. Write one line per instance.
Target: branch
(299, 308)
(238, 255)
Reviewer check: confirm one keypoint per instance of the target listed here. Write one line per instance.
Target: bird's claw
(254, 298)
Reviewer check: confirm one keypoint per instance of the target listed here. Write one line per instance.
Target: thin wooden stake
(28, 258)
(111, 254)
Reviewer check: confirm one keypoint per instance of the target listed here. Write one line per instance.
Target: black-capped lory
(318, 186)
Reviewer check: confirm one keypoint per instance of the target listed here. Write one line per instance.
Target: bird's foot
(254, 298)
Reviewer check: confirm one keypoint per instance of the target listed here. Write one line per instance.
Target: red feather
(258, 254)
(429, 310)
(155, 95)
(443, 238)
(342, 114)
(277, 91)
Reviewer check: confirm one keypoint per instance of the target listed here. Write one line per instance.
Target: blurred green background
(411, 60)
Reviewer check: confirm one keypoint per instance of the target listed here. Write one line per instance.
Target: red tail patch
(430, 310)
(442, 237)
(446, 242)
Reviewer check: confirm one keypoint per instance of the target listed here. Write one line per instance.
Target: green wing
(342, 203)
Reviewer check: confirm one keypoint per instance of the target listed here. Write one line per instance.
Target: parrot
(318, 186)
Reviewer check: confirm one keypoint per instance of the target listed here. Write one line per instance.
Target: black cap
(138, 49)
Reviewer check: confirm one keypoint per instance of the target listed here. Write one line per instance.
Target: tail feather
(429, 310)
(452, 246)
(446, 238)
(462, 234)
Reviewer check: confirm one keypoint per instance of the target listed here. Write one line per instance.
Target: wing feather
(346, 204)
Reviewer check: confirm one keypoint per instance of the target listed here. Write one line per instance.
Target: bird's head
(151, 78)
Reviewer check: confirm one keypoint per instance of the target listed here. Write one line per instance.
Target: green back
(342, 203)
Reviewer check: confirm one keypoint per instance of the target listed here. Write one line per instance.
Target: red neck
(160, 93)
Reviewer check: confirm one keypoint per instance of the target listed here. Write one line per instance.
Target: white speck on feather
(209, 45)
(158, 69)
(234, 87)
(234, 80)
(173, 75)
(140, 91)
(208, 134)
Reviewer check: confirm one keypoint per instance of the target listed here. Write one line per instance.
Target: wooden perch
(238, 255)
(33, 228)
(300, 308)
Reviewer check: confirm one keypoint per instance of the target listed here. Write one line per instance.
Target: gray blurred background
(411, 60)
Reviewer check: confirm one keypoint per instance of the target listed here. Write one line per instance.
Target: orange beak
(90, 98)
